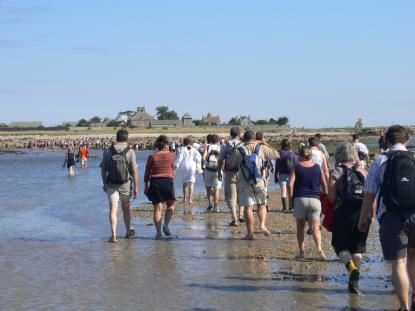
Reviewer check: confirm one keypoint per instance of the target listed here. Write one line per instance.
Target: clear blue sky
(321, 63)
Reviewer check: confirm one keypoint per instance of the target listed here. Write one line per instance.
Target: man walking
(250, 159)
(118, 168)
(391, 180)
(231, 191)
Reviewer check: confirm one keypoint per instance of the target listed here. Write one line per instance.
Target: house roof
(141, 115)
(26, 124)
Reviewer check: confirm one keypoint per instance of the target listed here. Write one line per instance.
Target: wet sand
(310, 283)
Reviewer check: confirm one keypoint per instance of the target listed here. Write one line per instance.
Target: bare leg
(216, 197)
(249, 218)
(315, 228)
(357, 259)
(185, 185)
(401, 282)
(169, 212)
(209, 195)
(300, 234)
(127, 216)
(262, 214)
(158, 208)
(241, 212)
(191, 189)
(113, 219)
(411, 269)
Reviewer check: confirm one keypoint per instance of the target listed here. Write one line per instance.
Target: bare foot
(265, 232)
(112, 239)
(249, 236)
(191, 202)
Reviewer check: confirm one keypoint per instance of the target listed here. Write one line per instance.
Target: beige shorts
(211, 180)
(307, 208)
(250, 196)
(114, 195)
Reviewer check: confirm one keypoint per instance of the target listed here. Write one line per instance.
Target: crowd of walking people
(345, 200)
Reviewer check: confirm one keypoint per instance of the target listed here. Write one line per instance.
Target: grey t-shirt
(131, 160)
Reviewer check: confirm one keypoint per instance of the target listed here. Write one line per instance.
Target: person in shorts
(210, 163)
(396, 228)
(120, 190)
(70, 162)
(253, 195)
(158, 184)
(283, 167)
(230, 175)
(306, 180)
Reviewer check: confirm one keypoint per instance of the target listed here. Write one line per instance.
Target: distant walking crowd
(345, 200)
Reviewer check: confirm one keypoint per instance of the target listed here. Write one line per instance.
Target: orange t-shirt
(84, 153)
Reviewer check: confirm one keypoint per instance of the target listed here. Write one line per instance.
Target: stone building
(358, 125)
(245, 121)
(141, 118)
(28, 124)
(211, 119)
(187, 121)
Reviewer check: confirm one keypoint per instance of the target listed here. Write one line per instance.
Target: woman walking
(159, 174)
(306, 179)
(346, 191)
(70, 162)
(187, 164)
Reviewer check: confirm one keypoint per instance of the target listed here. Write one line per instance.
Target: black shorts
(346, 236)
(161, 190)
(397, 234)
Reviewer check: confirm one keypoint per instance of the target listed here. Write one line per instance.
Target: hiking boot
(309, 232)
(233, 223)
(241, 219)
(209, 208)
(354, 282)
(166, 230)
(215, 209)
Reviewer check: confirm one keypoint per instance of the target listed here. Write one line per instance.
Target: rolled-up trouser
(231, 190)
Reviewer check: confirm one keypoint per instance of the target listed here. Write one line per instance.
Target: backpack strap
(242, 151)
(257, 147)
(113, 150)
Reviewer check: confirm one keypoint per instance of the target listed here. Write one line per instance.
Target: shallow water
(54, 256)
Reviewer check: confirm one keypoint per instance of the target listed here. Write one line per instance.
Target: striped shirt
(159, 165)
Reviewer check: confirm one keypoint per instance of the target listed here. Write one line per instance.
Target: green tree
(113, 123)
(273, 121)
(95, 119)
(163, 113)
(83, 123)
(261, 122)
(282, 121)
(234, 121)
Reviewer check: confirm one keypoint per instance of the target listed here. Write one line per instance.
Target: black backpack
(398, 187)
(351, 191)
(118, 172)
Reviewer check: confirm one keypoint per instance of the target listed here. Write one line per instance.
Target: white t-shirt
(361, 147)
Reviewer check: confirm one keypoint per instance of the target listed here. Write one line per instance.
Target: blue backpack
(251, 165)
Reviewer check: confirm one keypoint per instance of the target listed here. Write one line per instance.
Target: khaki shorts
(250, 196)
(307, 208)
(114, 195)
(211, 180)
